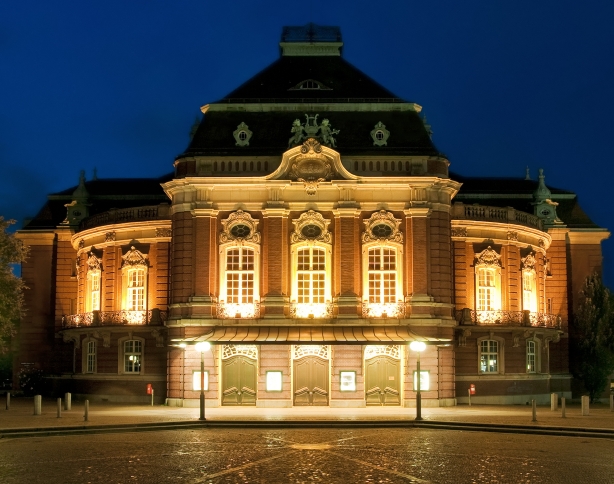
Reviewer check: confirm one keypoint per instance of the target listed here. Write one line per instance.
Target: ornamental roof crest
(528, 262)
(311, 227)
(94, 263)
(239, 227)
(323, 132)
(134, 258)
(382, 227)
(488, 257)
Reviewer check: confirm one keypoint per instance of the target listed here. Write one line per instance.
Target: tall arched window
(311, 267)
(382, 249)
(487, 283)
(94, 276)
(134, 283)
(529, 283)
(239, 267)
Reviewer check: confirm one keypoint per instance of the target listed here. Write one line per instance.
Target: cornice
(587, 236)
(307, 106)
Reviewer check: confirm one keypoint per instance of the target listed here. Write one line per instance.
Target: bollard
(8, 400)
(554, 402)
(469, 393)
(38, 399)
(87, 410)
(585, 402)
(563, 407)
(152, 395)
(59, 407)
(67, 401)
(534, 410)
(611, 403)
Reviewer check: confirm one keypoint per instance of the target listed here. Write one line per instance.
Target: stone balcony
(383, 310)
(238, 311)
(507, 215)
(508, 318)
(153, 317)
(135, 214)
(311, 311)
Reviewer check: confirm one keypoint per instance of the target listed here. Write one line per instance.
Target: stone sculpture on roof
(323, 132)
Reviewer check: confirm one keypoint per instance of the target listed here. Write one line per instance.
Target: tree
(11, 287)
(593, 341)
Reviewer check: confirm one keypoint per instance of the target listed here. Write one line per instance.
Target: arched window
(311, 267)
(533, 355)
(134, 282)
(529, 283)
(382, 250)
(488, 284)
(88, 362)
(94, 275)
(239, 267)
(132, 356)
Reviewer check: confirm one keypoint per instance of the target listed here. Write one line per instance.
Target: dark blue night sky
(117, 84)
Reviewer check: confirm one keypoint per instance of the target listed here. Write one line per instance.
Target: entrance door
(382, 381)
(239, 381)
(311, 381)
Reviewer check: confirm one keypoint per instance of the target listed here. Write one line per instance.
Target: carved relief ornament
(239, 227)
(488, 257)
(459, 232)
(134, 258)
(528, 262)
(311, 226)
(311, 166)
(382, 226)
(93, 262)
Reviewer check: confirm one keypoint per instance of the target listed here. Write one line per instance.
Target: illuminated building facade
(309, 232)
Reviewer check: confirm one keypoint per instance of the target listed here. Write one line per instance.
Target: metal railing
(238, 311)
(508, 318)
(121, 215)
(383, 310)
(495, 214)
(311, 311)
(110, 318)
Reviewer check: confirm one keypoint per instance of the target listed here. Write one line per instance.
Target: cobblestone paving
(307, 456)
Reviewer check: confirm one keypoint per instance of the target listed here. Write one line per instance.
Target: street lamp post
(418, 347)
(201, 348)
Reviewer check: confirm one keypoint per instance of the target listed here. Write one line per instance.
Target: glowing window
(529, 290)
(240, 275)
(382, 274)
(489, 356)
(93, 281)
(136, 290)
(311, 275)
(132, 356)
(487, 296)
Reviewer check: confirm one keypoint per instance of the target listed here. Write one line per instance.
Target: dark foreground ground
(216, 455)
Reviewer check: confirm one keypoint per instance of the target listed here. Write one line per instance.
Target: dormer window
(310, 85)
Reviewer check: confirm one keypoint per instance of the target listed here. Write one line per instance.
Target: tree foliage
(593, 341)
(11, 287)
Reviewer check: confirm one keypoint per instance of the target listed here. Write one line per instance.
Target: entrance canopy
(312, 334)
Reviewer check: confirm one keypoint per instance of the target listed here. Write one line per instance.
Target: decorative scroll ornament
(311, 227)
(382, 226)
(239, 227)
(459, 232)
(134, 258)
(323, 132)
(250, 351)
(488, 257)
(528, 262)
(311, 167)
(380, 134)
(393, 351)
(299, 351)
(242, 135)
(81, 244)
(109, 237)
(93, 262)
(512, 235)
(163, 232)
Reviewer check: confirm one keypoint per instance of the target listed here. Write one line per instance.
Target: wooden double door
(239, 377)
(311, 381)
(382, 381)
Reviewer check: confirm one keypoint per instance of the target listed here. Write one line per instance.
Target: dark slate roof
(517, 193)
(271, 132)
(275, 83)
(104, 195)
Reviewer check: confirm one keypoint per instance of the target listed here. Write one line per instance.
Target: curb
(295, 424)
